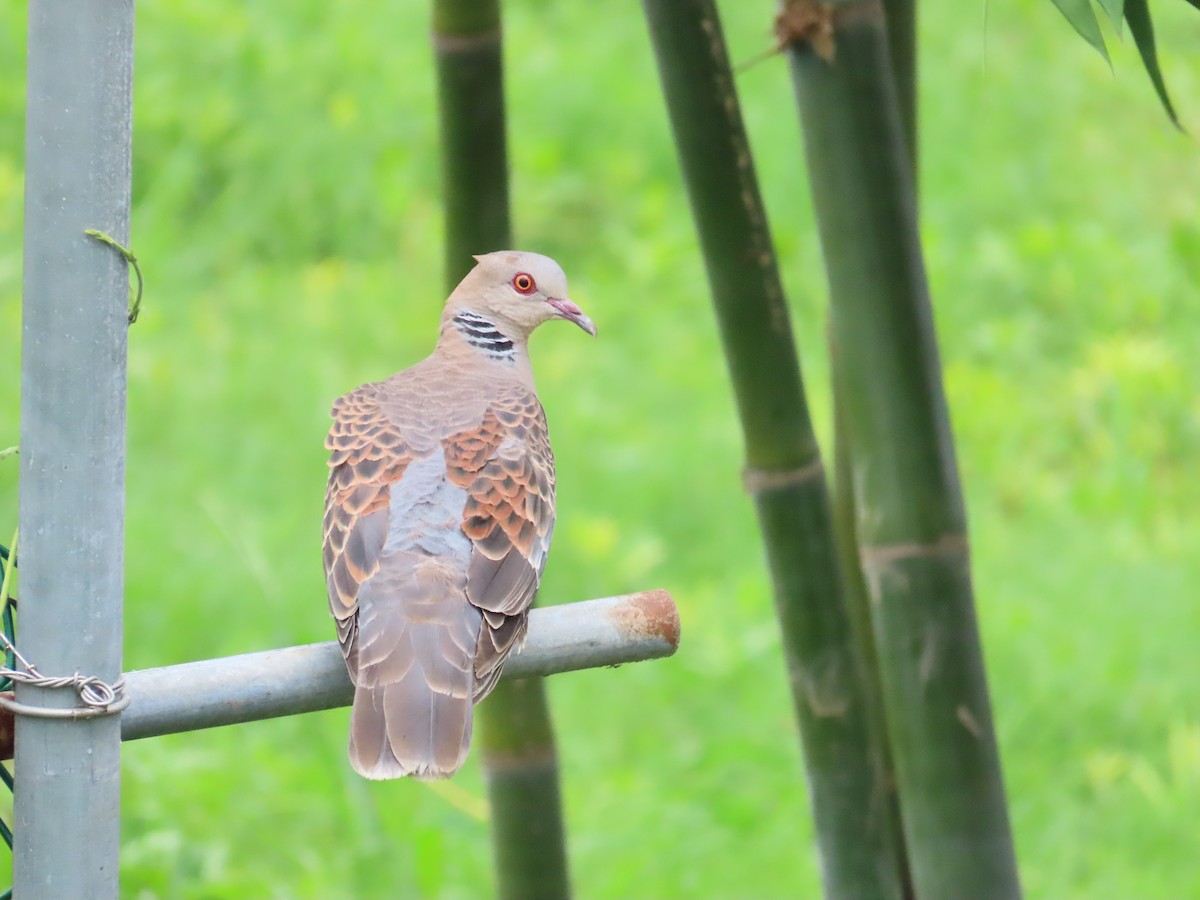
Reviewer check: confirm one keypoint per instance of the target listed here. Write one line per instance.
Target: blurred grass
(286, 213)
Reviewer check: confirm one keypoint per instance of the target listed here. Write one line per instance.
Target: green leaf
(1137, 14)
(1083, 19)
(1116, 10)
(1195, 3)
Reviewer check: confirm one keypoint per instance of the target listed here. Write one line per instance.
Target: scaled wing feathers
(367, 455)
(507, 468)
(425, 627)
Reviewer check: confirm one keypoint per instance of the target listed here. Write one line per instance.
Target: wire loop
(99, 697)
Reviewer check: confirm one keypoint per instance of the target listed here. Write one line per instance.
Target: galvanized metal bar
(294, 680)
(77, 174)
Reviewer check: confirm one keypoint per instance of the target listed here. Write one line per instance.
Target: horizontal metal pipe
(274, 683)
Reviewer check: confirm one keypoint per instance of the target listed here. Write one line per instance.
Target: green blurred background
(286, 212)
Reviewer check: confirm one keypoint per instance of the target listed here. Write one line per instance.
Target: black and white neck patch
(482, 334)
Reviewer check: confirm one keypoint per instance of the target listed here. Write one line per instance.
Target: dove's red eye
(523, 282)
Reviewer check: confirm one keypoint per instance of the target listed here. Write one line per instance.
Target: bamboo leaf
(1137, 14)
(1116, 12)
(1083, 19)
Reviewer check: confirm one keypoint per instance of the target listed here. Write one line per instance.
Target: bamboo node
(465, 43)
(755, 481)
(524, 759)
(886, 555)
(816, 22)
(806, 20)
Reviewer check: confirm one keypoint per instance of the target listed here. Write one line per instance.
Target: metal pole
(78, 137)
(273, 683)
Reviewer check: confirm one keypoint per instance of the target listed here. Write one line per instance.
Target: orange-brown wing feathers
(367, 455)
(507, 469)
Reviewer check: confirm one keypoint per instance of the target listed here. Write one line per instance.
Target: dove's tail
(415, 684)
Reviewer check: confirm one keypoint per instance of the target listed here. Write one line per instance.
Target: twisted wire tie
(99, 698)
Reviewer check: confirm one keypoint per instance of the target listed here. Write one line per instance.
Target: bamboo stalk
(859, 607)
(784, 471)
(515, 737)
(467, 47)
(902, 46)
(910, 519)
(901, 18)
(519, 757)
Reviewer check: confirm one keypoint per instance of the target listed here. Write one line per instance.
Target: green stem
(784, 472)
(135, 301)
(467, 47)
(902, 45)
(857, 602)
(910, 519)
(517, 740)
(11, 557)
(515, 734)
(901, 18)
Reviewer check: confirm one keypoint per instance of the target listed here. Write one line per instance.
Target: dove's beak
(572, 313)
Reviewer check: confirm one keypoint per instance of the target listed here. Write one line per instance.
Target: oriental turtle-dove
(438, 516)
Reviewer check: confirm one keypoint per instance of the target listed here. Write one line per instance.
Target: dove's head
(518, 292)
